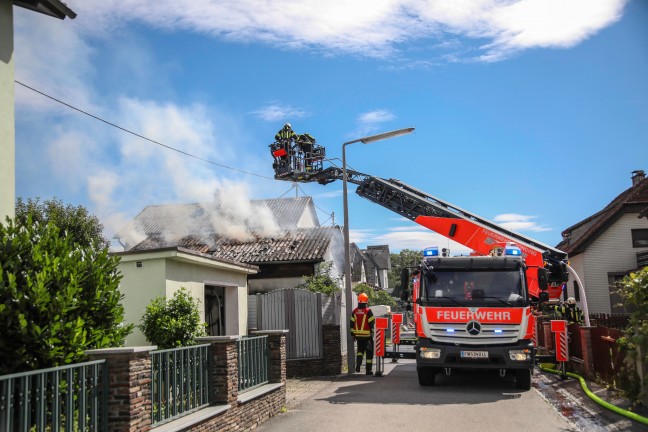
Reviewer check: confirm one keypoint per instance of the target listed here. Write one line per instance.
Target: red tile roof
(578, 236)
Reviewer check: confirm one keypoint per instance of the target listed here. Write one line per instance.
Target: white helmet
(287, 125)
(571, 300)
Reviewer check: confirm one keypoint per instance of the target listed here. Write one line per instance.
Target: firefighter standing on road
(362, 324)
(570, 312)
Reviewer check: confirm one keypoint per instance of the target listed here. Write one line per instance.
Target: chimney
(637, 176)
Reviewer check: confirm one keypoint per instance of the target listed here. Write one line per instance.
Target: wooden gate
(298, 311)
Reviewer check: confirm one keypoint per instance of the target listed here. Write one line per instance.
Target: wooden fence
(606, 356)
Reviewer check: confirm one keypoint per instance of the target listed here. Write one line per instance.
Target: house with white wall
(198, 233)
(219, 285)
(53, 8)
(608, 245)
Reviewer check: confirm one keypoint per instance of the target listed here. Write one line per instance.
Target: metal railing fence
(65, 398)
(252, 362)
(180, 380)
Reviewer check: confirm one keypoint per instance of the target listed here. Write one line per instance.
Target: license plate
(474, 354)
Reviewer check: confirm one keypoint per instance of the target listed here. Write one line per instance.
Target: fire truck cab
(473, 312)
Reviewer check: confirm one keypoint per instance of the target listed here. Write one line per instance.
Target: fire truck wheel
(426, 376)
(523, 379)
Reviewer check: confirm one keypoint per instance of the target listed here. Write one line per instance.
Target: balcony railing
(180, 381)
(65, 398)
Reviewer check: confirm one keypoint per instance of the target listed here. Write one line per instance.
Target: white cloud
(375, 28)
(407, 237)
(517, 222)
(274, 113)
(377, 116)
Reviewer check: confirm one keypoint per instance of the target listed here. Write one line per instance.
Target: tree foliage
(633, 289)
(58, 298)
(376, 296)
(322, 281)
(173, 323)
(84, 227)
(405, 258)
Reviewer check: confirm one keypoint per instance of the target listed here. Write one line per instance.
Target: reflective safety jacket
(570, 314)
(362, 322)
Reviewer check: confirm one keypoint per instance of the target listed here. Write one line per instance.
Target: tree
(81, 225)
(405, 258)
(322, 281)
(633, 289)
(376, 296)
(173, 323)
(58, 298)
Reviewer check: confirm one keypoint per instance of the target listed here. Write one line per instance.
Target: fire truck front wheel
(523, 379)
(426, 376)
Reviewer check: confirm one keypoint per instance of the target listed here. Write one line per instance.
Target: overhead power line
(139, 135)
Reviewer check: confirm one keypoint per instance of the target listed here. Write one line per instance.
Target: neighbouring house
(53, 8)
(371, 266)
(606, 246)
(220, 284)
(251, 260)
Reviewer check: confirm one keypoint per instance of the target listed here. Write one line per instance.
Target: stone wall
(245, 416)
(329, 364)
(129, 389)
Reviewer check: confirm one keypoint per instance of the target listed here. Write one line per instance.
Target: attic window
(139, 264)
(639, 238)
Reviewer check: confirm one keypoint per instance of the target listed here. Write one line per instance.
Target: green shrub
(322, 281)
(633, 289)
(57, 298)
(173, 323)
(376, 297)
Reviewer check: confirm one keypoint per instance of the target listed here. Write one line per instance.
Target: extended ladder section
(411, 203)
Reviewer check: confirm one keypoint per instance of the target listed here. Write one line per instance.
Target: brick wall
(246, 416)
(129, 387)
(329, 364)
(129, 392)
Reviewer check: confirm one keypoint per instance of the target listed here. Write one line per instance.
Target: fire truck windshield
(476, 287)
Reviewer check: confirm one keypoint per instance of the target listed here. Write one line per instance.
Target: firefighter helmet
(363, 298)
(571, 300)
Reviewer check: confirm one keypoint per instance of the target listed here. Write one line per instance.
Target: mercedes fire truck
(471, 312)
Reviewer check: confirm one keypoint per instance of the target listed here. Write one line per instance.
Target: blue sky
(529, 113)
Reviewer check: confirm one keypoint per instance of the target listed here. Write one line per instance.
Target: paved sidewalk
(299, 390)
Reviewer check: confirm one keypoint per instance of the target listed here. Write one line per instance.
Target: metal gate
(298, 311)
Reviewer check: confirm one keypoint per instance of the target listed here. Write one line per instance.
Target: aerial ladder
(457, 224)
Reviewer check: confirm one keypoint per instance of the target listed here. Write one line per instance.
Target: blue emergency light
(431, 251)
(513, 251)
(450, 330)
(498, 330)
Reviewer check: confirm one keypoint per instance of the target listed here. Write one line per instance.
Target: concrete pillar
(7, 117)
(129, 387)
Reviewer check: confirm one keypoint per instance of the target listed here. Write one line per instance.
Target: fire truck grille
(483, 334)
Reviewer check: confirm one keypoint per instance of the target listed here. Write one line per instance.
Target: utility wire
(141, 136)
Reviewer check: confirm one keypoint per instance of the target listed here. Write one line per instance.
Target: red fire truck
(472, 311)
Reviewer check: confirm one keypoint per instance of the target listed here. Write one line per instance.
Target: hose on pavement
(629, 414)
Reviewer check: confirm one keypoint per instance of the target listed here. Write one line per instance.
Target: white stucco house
(608, 245)
(169, 246)
(220, 285)
(53, 8)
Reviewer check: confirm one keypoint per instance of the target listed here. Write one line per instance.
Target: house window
(576, 291)
(639, 238)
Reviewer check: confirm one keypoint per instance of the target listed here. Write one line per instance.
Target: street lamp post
(347, 246)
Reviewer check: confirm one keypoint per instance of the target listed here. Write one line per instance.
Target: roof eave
(53, 8)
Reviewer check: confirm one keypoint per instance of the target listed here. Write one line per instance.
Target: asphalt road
(395, 402)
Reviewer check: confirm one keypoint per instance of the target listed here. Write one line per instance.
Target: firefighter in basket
(362, 324)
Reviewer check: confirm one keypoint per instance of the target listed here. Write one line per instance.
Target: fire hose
(629, 414)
